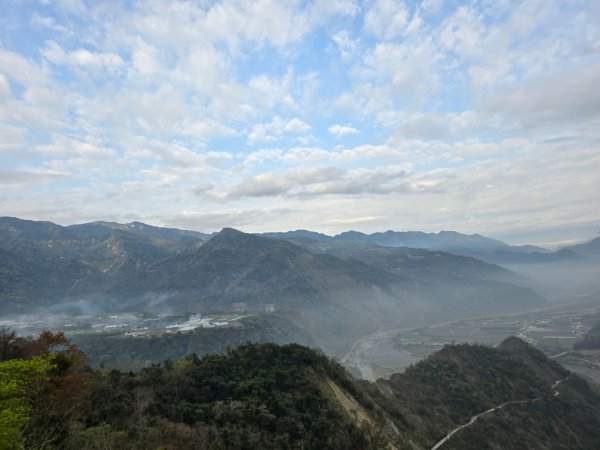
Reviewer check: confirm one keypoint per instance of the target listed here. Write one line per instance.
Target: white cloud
(274, 130)
(18, 177)
(352, 220)
(81, 57)
(387, 19)
(11, 137)
(91, 149)
(171, 103)
(48, 22)
(296, 126)
(21, 69)
(347, 46)
(146, 58)
(333, 181)
(339, 131)
(263, 185)
(5, 92)
(560, 98)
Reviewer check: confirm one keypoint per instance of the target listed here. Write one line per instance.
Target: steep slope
(275, 397)
(256, 396)
(42, 263)
(238, 267)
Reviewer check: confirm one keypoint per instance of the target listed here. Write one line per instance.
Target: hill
(512, 385)
(268, 396)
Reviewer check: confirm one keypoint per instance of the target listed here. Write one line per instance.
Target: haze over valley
(299, 224)
(141, 283)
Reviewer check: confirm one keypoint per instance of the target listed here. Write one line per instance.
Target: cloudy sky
(329, 115)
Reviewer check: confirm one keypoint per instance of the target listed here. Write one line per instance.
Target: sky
(328, 115)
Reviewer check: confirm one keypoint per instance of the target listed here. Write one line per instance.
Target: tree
(18, 381)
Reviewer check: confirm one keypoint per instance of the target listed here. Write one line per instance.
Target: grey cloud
(333, 181)
(564, 97)
(264, 185)
(215, 221)
(316, 175)
(431, 126)
(202, 189)
(14, 177)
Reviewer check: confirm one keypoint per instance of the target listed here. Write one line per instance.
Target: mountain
(590, 248)
(449, 241)
(475, 245)
(237, 267)
(268, 396)
(536, 257)
(42, 263)
(340, 295)
(102, 229)
(299, 234)
(413, 261)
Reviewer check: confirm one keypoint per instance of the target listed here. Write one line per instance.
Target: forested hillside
(265, 396)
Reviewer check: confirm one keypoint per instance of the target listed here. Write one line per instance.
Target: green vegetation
(266, 396)
(446, 389)
(255, 396)
(18, 378)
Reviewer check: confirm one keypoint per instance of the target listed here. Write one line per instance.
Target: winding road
(491, 410)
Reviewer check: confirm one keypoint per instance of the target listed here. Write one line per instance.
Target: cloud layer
(270, 115)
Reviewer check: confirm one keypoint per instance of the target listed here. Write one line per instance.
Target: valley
(369, 300)
(200, 338)
(553, 329)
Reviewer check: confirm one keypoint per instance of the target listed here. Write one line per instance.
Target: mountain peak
(230, 232)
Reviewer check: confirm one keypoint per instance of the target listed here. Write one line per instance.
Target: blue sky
(328, 115)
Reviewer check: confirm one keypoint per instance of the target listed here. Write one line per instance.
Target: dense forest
(268, 396)
(255, 396)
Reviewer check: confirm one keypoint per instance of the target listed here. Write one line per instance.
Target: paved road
(555, 385)
(491, 410)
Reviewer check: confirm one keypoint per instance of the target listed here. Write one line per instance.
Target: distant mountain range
(475, 245)
(342, 291)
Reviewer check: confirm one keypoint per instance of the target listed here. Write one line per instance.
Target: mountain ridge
(340, 296)
(267, 396)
